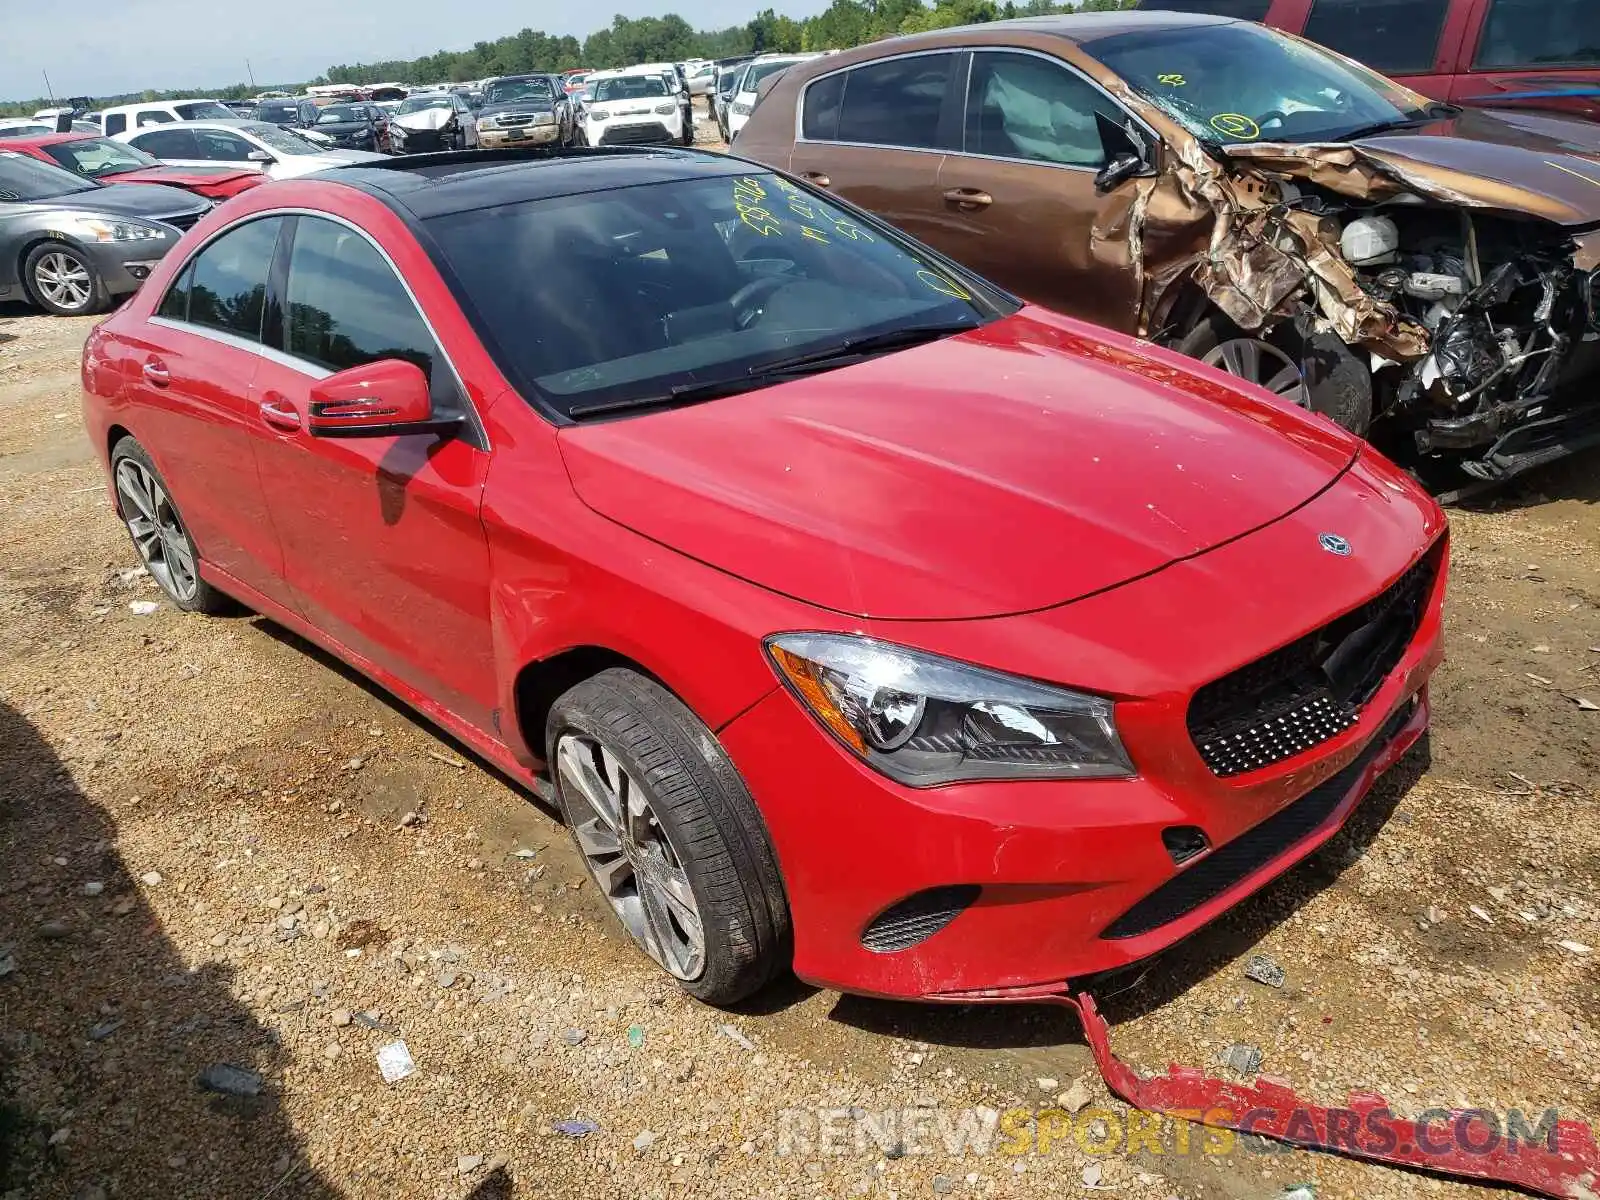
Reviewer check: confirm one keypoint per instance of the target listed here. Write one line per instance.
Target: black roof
(430, 185)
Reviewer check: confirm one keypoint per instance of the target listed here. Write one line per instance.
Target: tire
(1337, 384)
(57, 273)
(166, 551)
(698, 829)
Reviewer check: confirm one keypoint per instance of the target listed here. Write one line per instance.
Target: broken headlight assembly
(924, 720)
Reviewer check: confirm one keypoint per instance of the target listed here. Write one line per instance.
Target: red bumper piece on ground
(1562, 1161)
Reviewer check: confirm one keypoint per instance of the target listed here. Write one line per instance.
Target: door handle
(968, 198)
(279, 413)
(155, 371)
(817, 177)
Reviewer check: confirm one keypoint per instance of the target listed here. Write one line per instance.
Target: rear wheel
(63, 280)
(164, 545)
(1319, 373)
(669, 834)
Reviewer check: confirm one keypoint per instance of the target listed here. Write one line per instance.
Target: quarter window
(167, 143)
(1400, 37)
(897, 102)
(345, 305)
(819, 117)
(1027, 107)
(227, 282)
(1540, 33)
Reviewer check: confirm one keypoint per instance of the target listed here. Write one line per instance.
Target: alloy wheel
(630, 856)
(163, 545)
(1263, 364)
(63, 280)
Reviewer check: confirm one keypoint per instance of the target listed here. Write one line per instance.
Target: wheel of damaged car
(670, 836)
(1319, 373)
(63, 280)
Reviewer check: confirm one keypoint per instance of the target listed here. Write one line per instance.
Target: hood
(338, 129)
(1068, 462)
(1540, 164)
(184, 177)
(132, 200)
(427, 118)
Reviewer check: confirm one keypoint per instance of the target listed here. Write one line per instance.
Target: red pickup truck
(1524, 53)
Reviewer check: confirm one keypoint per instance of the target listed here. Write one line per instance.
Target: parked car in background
(746, 551)
(433, 121)
(525, 110)
(702, 79)
(71, 245)
(729, 72)
(300, 115)
(572, 81)
(1416, 272)
(107, 160)
(678, 86)
(1535, 54)
(631, 107)
(279, 153)
(349, 126)
(13, 127)
(747, 89)
(136, 116)
(241, 108)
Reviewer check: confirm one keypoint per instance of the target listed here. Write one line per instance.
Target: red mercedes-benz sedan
(106, 160)
(864, 619)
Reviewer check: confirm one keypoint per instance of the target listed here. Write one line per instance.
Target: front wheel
(63, 280)
(1319, 373)
(669, 834)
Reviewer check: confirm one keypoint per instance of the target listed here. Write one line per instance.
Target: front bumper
(520, 135)
(632, 133)
(124, 266)
(420, 141)
(1051, 881)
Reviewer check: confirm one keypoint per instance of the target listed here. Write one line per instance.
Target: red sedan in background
(109, 161)
(864, 619)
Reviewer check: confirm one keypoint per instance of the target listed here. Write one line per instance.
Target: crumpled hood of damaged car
(424, 118)
(1526, 162)
(1019, 466)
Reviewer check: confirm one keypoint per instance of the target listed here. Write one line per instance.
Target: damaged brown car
(1422, 274)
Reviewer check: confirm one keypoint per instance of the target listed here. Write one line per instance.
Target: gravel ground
(217, 846)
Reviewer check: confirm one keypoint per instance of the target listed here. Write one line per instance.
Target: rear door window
(1027, 107)
(897, 102)
(221, 146)
(226, 284)
(1540, 33)
(1399, 37)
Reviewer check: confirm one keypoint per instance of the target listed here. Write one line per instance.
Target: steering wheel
(747, 301)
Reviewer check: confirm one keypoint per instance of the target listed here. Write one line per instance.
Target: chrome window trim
(233, 340)
(305, 366)
(1157, 142)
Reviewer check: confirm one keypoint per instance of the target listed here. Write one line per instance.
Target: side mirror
(258, 156)
(1118, 171)
(379, 399)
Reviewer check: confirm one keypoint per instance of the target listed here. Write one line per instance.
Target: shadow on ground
(104, 1031)
(1158, 981)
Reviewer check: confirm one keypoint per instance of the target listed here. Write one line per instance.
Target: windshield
(278, 112)
(413, 104)
(202, 110)
(630, 87)
(284, 141)
(1241, 82)
(94, 157)
(509, 91)
(613, 296)
(29, 179)
(338, 114)
(759, 71)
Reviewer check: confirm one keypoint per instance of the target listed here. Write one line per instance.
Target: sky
(178, 44)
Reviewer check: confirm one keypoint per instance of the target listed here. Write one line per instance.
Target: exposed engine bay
(1473, 324)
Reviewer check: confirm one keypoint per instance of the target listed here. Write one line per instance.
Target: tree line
(668, 38)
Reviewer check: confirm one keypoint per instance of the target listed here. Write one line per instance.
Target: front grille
(1253, 849)
(1312, 689)
(633, 135)
(186, 222)
(918, 917)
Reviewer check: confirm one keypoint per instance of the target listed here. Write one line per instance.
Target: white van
(163, 112)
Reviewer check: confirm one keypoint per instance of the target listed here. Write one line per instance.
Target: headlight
(103, 230)
(665, 109)
(924, 720)
(741, 109)
(597, 114)
(486, 124)
(548, 118)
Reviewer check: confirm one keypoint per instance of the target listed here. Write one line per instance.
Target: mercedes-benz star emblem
(1334, 544)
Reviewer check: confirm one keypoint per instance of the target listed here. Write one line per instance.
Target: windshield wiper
(1434, 112)
(765, 374)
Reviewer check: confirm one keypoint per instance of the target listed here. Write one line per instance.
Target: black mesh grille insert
(1252, 849)
(918, 917)
(187, 221)
(1310, 690)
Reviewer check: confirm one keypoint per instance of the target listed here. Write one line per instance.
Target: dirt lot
(203, 861)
